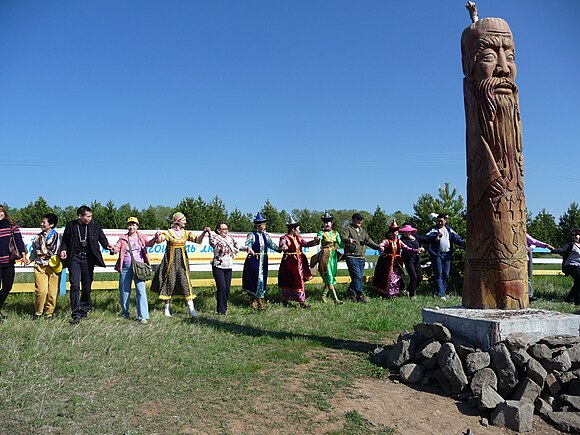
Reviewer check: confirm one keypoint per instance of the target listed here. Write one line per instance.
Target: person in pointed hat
(255, 274)
(412, 260)
(328, 256)
(294, 270)
(388, 278)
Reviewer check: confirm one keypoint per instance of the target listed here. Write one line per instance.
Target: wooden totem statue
(496, 255)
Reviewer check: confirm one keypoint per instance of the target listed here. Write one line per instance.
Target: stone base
(485, 328)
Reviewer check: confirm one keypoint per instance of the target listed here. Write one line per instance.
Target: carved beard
(499, 119)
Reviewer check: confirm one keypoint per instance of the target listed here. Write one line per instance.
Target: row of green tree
(201, 213)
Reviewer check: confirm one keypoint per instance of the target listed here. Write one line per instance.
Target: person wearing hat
(355, 240)
(388, 278)
(132, 247)
(441, 239)
(47, 268)
(294, 270)
(328, 256)
(172, 276)
(255, 275)
(81, 253)
(570, 253)
(412, 260)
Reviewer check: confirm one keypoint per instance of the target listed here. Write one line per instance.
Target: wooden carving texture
(496, 254)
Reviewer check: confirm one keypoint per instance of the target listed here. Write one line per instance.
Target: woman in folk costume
(255, 275)
(172, 276)
(294, 270)
(388, 278)
(328, 256)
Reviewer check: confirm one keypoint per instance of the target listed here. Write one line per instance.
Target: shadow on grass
(251, 331)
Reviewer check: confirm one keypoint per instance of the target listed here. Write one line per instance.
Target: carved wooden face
(496, 59)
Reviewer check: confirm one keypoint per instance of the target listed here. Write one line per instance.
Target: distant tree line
(201, 213)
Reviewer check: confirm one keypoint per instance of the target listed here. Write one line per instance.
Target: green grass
(245, 372)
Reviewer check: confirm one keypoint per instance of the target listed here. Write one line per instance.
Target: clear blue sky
(311, 104)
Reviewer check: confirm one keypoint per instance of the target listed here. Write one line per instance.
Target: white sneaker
(143, 321)
(167, 312)
(443, 298)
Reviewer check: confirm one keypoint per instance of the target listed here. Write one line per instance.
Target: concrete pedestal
(485, 328)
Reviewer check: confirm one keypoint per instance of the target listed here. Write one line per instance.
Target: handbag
(141, 270)
(13, 248)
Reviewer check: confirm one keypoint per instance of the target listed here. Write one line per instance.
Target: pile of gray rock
(512, 380)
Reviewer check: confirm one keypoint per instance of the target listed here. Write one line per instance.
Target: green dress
(328, 257)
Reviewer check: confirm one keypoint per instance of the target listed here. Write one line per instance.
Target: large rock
(517, 340)
(540, 351)
(560, 340)
(489, 398)
(411, 373)
(430, 363)
(485, 376)
(527, 390)
(560, 363)
(476, 361)
(452, 368)
(574, 401)
(428, 350)
(542, 407)
(574, 354)
(433, 330)
(574, 387)
(504, 368)
(536, 372)
(552, 384)
(443, 382)
(380, 356)
(463, 346)
(520, 357)
(515, 415)
(399, 354)
(567, 377)
(566, 421)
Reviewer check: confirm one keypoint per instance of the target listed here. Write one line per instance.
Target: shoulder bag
(141, 270)
(13, 248)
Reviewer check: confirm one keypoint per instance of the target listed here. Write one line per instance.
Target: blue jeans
(356, 270)
(441, 265)
(125, 293)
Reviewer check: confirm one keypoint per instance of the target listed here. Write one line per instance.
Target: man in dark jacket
(441, 238)
(355, 240)
(80, 252)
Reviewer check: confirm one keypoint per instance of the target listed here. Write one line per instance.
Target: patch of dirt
(287, 408)
(409, 410)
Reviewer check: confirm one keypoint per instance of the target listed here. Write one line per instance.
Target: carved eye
(487, 56)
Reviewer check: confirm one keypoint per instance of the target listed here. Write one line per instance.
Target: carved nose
(502, 69)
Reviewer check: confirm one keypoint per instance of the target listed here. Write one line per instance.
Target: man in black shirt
(80, 252)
